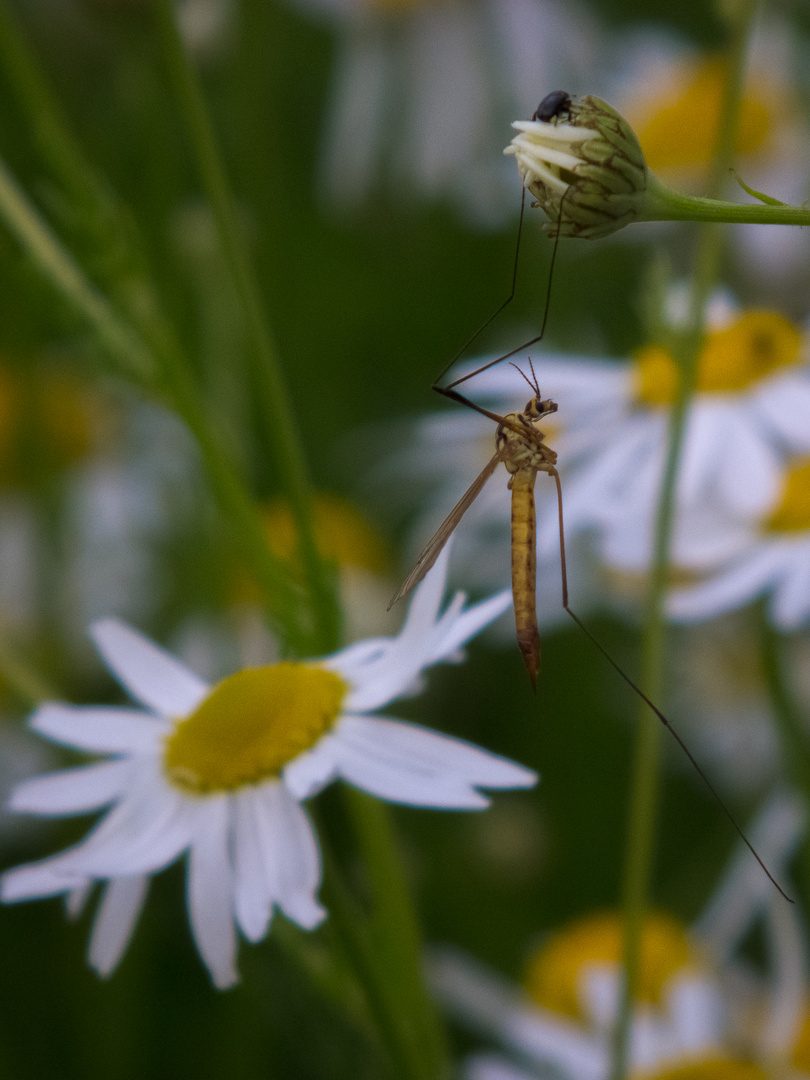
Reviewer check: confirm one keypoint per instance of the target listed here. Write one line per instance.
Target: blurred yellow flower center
(715, 1068)
(801, 1047)
(793, 512)
(251, 725)
(554, 974)
(342, 534)
(758, 344)
(47, 410)
(678, 127)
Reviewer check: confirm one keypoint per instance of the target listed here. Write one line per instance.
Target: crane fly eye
(552, 105)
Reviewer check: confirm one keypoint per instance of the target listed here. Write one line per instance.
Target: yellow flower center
(679, 127)
(758, 344)
(801, 1047)
(553, 975)
(793, 511)
(251, 725)
(342, 534)
(715, 1068)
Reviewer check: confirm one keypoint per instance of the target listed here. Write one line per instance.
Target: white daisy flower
(218, 772)
(748, 414)
(771, 559)
(424, 89)
(698, 1008)
(671, 95)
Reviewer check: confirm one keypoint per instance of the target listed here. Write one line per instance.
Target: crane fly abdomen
(524, 568)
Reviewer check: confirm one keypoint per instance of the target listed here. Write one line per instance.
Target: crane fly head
(536, 409)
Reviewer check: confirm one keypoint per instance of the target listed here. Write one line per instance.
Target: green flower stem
(789, 724)
(47, 123)
(646, 768)
(663, 204)
(148, 364)
(265, 368)
(352, 932)
(395, 931)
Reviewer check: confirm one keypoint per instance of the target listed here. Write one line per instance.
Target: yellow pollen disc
(801, 1047)
(680, 129)
(553, 975)
(251, 725)
(793, 512)
(758, 344)
(715, 1068)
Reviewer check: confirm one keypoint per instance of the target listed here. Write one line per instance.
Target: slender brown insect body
(520, 445)
(524, 453)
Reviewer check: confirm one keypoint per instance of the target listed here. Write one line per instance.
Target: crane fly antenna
(640, 693)
(507, 301)
(532, 385)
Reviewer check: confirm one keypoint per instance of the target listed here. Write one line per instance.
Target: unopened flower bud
(583, 164)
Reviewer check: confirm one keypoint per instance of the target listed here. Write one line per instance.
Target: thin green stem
(349, 925)
(132, 357)
(789, 724)
(396, 931)
(646, 769)
(265, 371)
(664, 204)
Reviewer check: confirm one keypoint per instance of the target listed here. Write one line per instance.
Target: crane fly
(520, 446)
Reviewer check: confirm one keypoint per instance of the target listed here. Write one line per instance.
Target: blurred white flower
(424, 91)
(218, 772)
(772, 558)
(699, 1008)
(671, 95)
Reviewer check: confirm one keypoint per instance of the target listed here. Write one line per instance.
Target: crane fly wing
(434, 546)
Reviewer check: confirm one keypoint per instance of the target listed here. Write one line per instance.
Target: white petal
(35, 880)
(210, 892)
(735, 587)
(397, 784)
(492, 1067)
(98, 729)
(150, 674)
(252, 900)
(790, 604)
(146, 831)
(697, 1013)
(115, 922)
(311, 771)
(467, 623)
(421, 748)
(277, 861)
(784, 402)
(73, 791)
(77, 898)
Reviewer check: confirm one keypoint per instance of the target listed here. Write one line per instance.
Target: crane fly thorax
(520, 442)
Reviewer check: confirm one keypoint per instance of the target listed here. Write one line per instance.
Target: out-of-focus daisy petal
(99, 730)
(210, 893)
(150, 674)
(739, 585)
(115, 922)
(74, 791)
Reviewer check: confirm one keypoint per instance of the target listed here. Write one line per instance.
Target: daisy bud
(583, 163)
(585, 167)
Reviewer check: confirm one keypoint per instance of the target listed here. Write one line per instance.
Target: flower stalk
(645, 784)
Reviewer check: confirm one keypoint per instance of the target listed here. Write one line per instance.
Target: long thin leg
(508, 300)
(500, 308)
(637, 689)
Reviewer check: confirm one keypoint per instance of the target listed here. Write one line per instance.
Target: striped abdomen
(524, 568)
